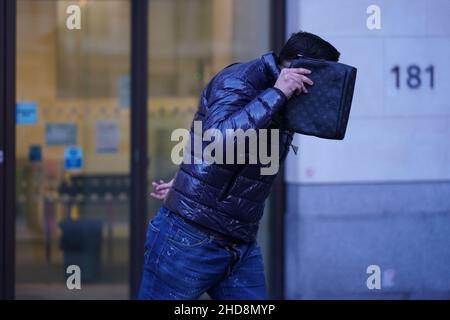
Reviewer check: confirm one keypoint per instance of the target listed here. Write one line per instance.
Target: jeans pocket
(152, 226)
(186, 236)
(184, 239)
(152, 236)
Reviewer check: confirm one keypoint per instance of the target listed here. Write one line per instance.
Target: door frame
(278, 196)
(7, 147)
(138, 154)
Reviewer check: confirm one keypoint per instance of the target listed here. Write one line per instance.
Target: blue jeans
(182, 262)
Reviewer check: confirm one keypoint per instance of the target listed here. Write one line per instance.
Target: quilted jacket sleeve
(233, 105)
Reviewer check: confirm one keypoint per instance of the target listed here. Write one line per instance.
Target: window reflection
(72, 212)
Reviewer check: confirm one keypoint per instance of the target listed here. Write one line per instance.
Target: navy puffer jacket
(229, 198)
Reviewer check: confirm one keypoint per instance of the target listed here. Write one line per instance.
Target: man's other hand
(160, 189)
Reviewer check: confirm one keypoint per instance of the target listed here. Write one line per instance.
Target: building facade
(381, 197)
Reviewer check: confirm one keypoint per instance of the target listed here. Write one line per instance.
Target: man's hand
(292, 80)
(161, 189)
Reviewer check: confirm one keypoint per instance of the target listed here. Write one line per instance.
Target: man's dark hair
(308, 45)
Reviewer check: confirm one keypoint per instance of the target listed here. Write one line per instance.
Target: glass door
(72, 149)
(189, 42)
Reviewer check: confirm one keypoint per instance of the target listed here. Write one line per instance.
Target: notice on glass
(57, 134)
(73, 158)
(26, 113)
(107, 137)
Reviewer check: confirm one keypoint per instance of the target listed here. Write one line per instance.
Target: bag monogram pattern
(324, 111)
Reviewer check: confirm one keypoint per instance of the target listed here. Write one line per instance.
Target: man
(203, 237)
